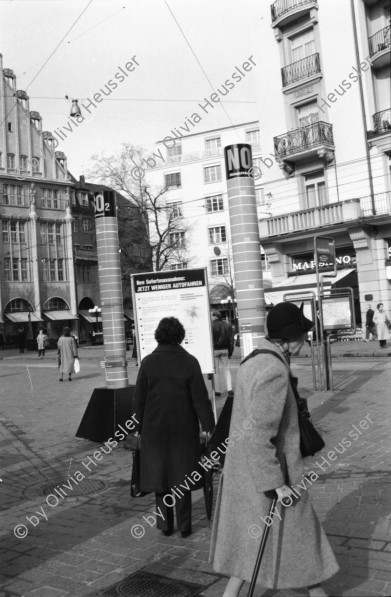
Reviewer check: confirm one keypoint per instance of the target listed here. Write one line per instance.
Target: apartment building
(194, 176)
(325, 121)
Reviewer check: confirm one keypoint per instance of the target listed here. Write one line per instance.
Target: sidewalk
(96, 536)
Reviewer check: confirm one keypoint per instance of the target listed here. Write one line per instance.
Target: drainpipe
(363, 111)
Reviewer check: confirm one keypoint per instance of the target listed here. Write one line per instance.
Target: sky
(183, 48)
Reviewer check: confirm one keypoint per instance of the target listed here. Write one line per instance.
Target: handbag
(310, 440)
(76, 365)
(135, 490)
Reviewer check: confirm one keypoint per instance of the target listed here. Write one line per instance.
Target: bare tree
(161, 228)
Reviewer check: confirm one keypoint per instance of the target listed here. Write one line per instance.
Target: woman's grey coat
(68, 351)
(171, 401)
(264, 455)
(380, 319)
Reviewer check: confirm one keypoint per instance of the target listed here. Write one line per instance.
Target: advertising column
(245, 245)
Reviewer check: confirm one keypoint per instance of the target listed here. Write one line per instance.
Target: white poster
(182, 294)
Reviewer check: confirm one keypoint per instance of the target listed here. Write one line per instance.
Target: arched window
(18, 305)
(86, 303)
(56, 304)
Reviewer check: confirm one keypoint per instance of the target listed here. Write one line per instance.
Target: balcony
(382, 122)
(379, 47)
(302, 69)
(333, 214)
(286, 11)
(308, 141)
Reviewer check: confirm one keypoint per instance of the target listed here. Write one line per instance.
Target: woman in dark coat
(171, 401)
(267, 458)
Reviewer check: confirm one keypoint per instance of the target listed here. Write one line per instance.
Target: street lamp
(95, 311)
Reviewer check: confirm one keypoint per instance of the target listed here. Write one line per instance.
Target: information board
(337, 312)
(182, 294)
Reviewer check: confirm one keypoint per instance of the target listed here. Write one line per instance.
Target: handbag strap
(302, 406)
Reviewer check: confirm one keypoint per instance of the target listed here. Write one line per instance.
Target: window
(58, 234)
(175, 209)
(19, 195)
(6, 197)
(219, 267)
(45, 271)
(60, 269)
(173, 180)
(177, 240)
(7, 269)
(75, 225)
(315, 190)
(10, 127)
(217, 235)
(22, 232)
(253, 138)
(214, 203)
(23, 162)
(174, 154)
(42, 232)
(56, 304)
(213, 146)
(260, 196)
(212, 174)
(6, 236)
(52, 266)
(15, 270)
(17, 305)
(14, 237)
(10, 161)
(50, 234)
(89, 248)
(302, 45)
(23, 269)
(307, 114)
(86, 225)
(175, 266)
(55, 199)
(35, 163)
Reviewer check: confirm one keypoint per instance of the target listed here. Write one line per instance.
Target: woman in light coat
(265, 457)
(41, 343)
(67, 352)
(380, 319)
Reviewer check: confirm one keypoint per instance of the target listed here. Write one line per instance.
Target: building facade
(193, 174)
(38, 276)
(325, 124)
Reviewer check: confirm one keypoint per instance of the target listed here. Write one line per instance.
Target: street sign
(238, 160)
(324, 254)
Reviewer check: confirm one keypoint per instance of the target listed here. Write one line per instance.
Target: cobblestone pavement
(82, 544)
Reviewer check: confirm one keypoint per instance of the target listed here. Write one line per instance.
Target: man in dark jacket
(171, 402)
(370, 327)
(223, 346)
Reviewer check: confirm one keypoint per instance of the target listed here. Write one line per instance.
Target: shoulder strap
(263, 351)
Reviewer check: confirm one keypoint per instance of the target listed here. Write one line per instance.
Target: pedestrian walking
(265, 459)
(383, 324)
(21, 338)
(67, 352)
(42, 342)
(370, 326)
(171, 402)
(2, 341)
(223, 346)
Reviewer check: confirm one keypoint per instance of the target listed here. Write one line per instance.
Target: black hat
(286, 320)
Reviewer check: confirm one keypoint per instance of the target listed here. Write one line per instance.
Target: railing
(301, 69)
(382, 203)
(382, 121)
(380, 41)
(281, 7)
(313, 135)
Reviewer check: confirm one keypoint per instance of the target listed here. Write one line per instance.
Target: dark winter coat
(171, 400)
(222, 336)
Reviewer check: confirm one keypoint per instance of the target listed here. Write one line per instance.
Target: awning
(59, 315)
(90, 318)
(22, 317)
(301, 284)
(219, 293)
(129, 314)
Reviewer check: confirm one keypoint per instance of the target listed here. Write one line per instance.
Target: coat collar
(169, 348)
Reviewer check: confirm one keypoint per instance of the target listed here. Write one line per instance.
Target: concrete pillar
(246, 249)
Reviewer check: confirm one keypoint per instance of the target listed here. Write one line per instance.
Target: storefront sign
(238, 160)
(302, 265)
